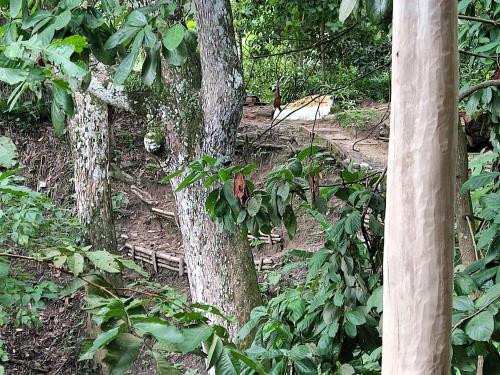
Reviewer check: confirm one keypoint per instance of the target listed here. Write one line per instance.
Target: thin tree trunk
(463, 204)
(89, 137)
(418, 254)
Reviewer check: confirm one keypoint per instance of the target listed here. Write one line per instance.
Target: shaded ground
(54, 348)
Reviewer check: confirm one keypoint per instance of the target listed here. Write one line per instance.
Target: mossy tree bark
(418, 253)
(89, 137)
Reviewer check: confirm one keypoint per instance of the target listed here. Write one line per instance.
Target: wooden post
(154, 261)
(418, 253)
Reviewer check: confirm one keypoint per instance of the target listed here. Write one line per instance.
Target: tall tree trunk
(418, 254)
(220, 264)
(89, 137)
(463, 205)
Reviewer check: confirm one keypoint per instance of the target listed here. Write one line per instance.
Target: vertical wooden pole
(418, 254)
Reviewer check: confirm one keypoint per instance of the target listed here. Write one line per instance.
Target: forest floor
(54, 348)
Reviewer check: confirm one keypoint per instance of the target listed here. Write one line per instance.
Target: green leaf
(159, 329)
(462, 303)
(479, 181)
(15, 7)
(122, 352)
(492, 294)
(12, 76)
(75, 264)
(241, 216)
(299, 352)
(58, 117)
(353, 222)
(480, 327)
(350, 329)
(376, 299)
(130, 264)
(355, 317)
(137, 19)
(346, 8)
(458, 337)
(284, 190)
(77, 42)
(174, 36)
(308, 151)
(62, 20)
(254, 204)
(120, 37)
(465, 284)
(8, 153)
(104, 261)
(151, 65)
(125, 68)
(63, 100)
(103, 339)
(178, 56)
(193, 337)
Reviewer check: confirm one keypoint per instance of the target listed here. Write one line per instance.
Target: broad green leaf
(63, 100)
(104, 261)
(137, 19)
(193, 337)
(375, 300)
(353, 222)
(480, 327)
(8, 153)
(350, 329)
(12, 76)
(159, 329)
(299, 352)
(126, 66)
(75, 264)
(78, 42)
(58, 117)
(122, 352)
(463, 303)
(308, 151)
(151, 65)
(178, 56)
(465, 284)
(355, 317)
(120, 37)
(284, 190)
(72, 287)
(290, 222)
(479, 181)
(103, 339)
(254, 204)
(346, 8)
(62, 20)
(15, 7)
(492, 294)
(130, 264)
(458, 337)
(174, 36)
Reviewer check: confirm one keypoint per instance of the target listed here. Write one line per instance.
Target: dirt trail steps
(345, 145)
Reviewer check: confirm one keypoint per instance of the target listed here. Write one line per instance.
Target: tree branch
(463, 52)
(479, 86)
(477, 19)
(312, 46)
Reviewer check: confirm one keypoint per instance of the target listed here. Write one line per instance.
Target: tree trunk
(220, 264)
(463, 204)
(418, 257)
(89, 137)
